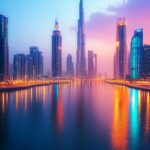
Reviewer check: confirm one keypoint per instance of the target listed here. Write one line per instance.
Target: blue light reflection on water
(134, 117)
(75, 117)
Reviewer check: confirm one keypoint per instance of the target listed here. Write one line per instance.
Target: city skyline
(75, 74)
(95, 37)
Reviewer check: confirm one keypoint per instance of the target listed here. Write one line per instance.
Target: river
(75, 117)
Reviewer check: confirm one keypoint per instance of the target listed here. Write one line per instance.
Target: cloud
(101, 27)
(136, 12)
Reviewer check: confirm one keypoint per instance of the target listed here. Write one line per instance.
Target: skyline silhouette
(100, 24)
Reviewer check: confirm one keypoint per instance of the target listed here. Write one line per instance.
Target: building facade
(4, 49)
(120, 58)
(146, 60)
(136, 55)
(95, 65)
(81, 54)
(29, 67)
(37, 60)
(56, 52)
(19, 67)
(70, 68)
(92, 64)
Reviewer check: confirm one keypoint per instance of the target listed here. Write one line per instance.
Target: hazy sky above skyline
(31, 22)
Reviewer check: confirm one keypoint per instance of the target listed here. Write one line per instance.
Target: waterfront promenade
(141, 85)
(20, 85)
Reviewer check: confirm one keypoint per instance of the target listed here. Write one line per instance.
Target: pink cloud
(101, 28)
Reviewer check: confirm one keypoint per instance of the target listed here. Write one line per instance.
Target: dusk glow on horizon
(31, 24)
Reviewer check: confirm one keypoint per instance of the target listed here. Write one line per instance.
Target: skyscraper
(56, 51)
(29, 67)
(136, 55)
(37, 62)
(70, 69)
(81, 58)
(146, 61)
(40, 68)
(92, 64)
(4, 50)
(120, 62)
(95, 65)
(19, 67)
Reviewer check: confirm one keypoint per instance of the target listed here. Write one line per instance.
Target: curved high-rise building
(81, 58)
(136, 55)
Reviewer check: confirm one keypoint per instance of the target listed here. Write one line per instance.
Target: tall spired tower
(81, 59)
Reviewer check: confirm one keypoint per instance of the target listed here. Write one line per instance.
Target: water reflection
(76, 116)
(57, 108)
(147, 118)
(120, 118)
(134, 117)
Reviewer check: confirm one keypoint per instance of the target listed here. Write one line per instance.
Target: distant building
(136, 55)
(56, 52)
(70, 68)
(29, 67)
(37, 60)
(40, 69)
(95, 65)
(19, 67)
(120, 58)
(81, 58)
(146, 65)
(92, 64)
(4, 50)
(115, 66)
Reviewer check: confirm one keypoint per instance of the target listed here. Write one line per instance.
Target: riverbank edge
(129, 85)
(23, 87)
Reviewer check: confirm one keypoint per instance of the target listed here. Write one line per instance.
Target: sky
(31, 23)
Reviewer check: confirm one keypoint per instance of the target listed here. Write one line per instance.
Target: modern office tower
(120, 62)
(40, 68)
(92, 64)
(4, 49)
(29, 67)
(146, 61)
(70, 69)
(56, 52)
(37, 62)
(136, 55)
(81, 58)
(19, 67)
(115, 66)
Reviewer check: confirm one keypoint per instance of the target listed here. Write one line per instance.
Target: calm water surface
(75, 117)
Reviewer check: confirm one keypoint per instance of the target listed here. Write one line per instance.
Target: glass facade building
(92, 64)
(120, 58)
(70, 68)
(146, 67)
(136, 55)
(56, 52)
(4, 49)
(81, 54)
(19, 67)
(37, 62)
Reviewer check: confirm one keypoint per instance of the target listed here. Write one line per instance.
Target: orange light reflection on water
(120, 119)
(147, 117)
(59, 109)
